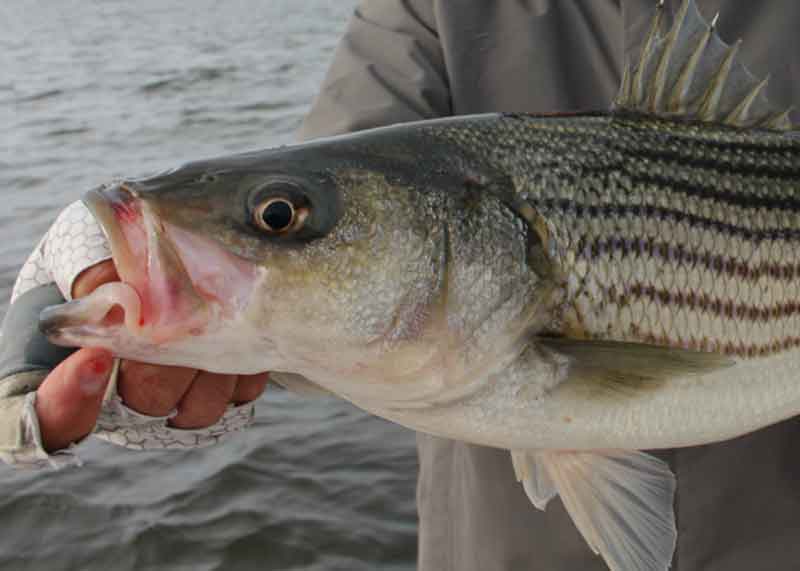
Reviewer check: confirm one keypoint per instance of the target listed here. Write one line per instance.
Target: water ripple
(187, 79)
(40, 96)
(68, 131)
(99, 90)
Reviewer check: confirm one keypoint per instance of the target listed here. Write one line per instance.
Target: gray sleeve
(23, 348)
(388, 68)
(26, 357)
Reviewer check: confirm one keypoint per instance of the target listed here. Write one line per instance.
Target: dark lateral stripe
(758, 145)
(720, 137)
(706, 344)
(749, 156)
(726, 308)
(591, 249)
(769, 145)
(570, 207)
(738, 167)
(706, 192)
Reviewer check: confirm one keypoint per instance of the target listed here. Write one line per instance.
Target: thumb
(69, 399)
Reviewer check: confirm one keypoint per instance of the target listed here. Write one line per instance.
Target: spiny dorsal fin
(690, 72)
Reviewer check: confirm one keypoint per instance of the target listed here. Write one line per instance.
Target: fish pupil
(278, 215)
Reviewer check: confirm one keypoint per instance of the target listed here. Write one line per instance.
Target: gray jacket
(738, 502)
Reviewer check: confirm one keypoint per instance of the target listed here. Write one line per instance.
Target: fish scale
(675, 239)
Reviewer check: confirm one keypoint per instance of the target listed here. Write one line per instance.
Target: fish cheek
(351, 286)
(291, 303)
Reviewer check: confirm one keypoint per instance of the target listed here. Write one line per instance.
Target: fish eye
(289, 209)
(278, 216)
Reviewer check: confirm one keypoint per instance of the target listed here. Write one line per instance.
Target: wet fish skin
(672, 233)
(436, 253)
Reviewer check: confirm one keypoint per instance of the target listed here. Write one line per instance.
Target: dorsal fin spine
(677, 102)
(708, 110)
(666, 54)
(627, 82)
(652, 37)
(741, 114)
(779, 120)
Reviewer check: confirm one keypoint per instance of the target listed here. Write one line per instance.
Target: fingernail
(94, 374)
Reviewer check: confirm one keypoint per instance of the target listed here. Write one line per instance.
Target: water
(93, 90)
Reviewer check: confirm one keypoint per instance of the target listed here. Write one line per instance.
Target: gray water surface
(91, 90)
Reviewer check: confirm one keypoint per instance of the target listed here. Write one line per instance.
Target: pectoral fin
(620, 501)
(614, 368)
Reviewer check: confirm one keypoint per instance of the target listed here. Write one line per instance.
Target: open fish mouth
(174, 283)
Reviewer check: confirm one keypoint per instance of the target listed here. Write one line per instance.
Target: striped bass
(572, 288)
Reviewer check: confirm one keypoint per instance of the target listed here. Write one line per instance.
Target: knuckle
(205, 402)
(221, 387)
(249, 389)
(150, 389)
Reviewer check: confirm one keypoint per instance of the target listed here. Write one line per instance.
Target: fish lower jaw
(112, 306)
(111, 309)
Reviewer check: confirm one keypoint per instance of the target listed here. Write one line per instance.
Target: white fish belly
(683, 412)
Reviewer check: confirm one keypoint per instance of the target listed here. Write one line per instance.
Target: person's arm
(388, 68)
(26, 359)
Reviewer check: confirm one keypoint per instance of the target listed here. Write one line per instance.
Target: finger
(249, 387)
(69, 399)
(154, 390)
(93, 277)
(205, 402)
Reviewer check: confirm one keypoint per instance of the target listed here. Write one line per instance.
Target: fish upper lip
(102, 203)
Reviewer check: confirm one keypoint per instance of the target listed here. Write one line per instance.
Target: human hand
(70, 398)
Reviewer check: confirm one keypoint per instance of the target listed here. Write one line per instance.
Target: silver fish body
(686, 239)
(461, 250)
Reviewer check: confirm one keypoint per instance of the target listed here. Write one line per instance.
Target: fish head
(288, 259)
